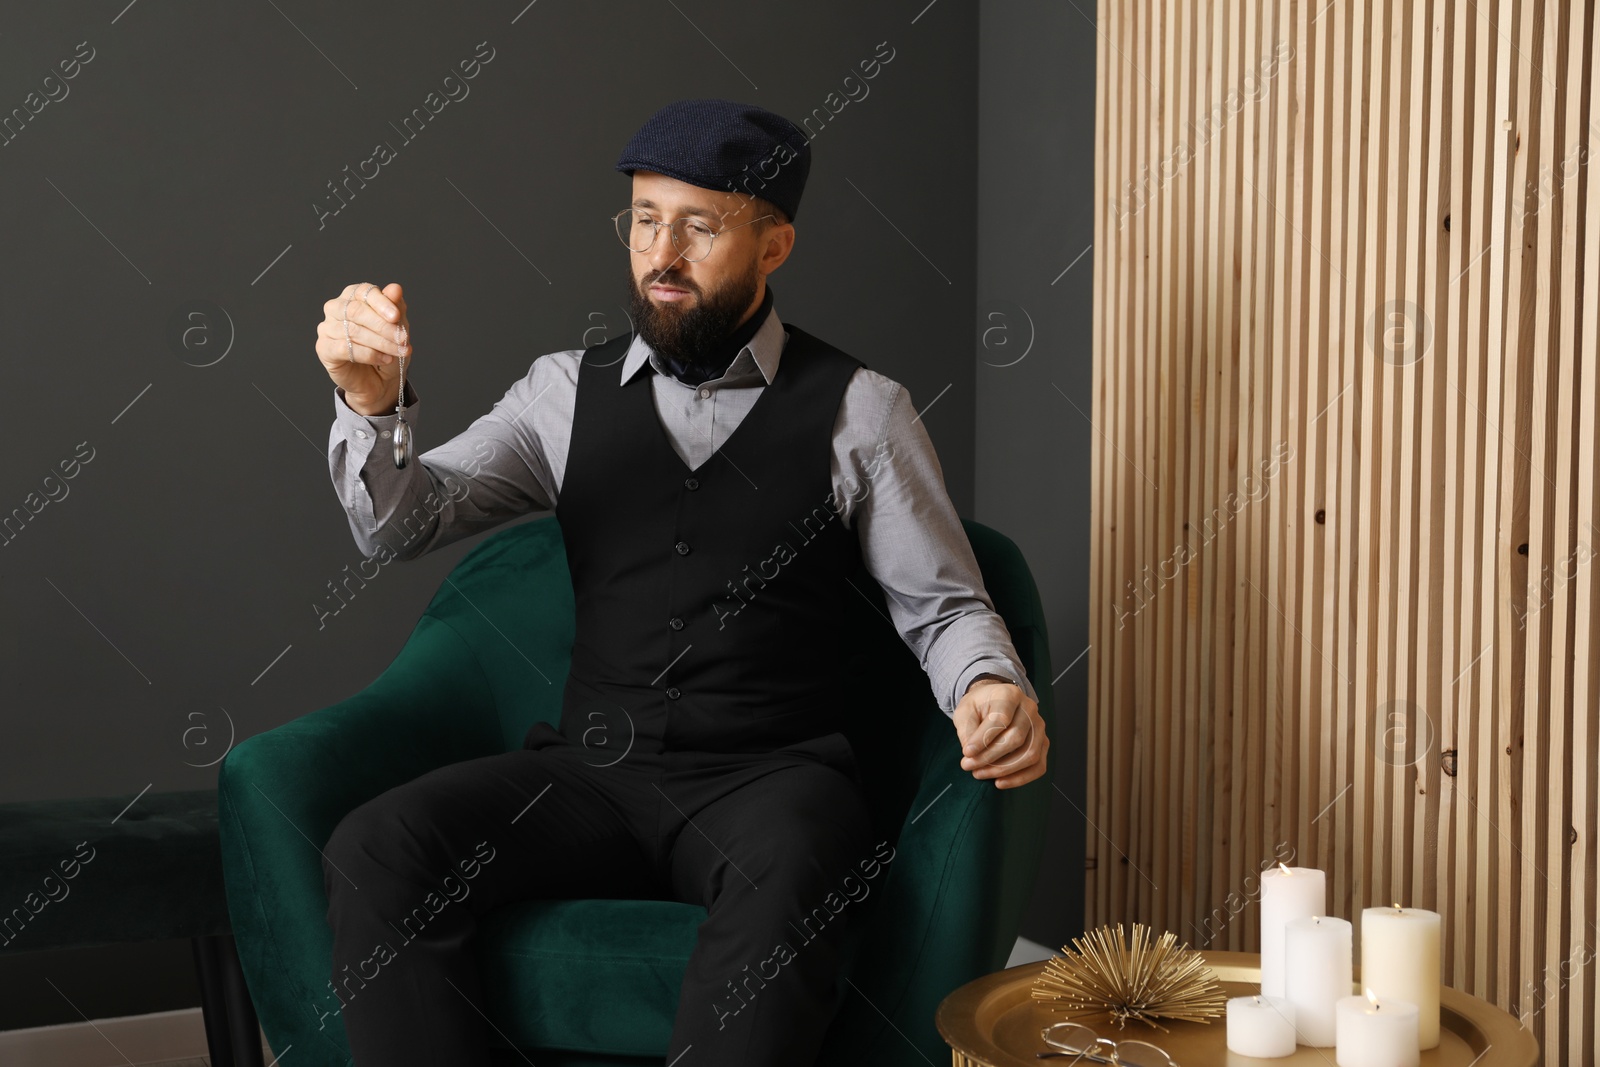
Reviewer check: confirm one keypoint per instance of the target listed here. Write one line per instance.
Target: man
(716, 478)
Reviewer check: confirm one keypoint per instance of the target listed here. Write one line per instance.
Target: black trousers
(759, 841)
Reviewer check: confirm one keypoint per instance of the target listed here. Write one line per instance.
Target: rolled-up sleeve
(492, 471)
(913, 544)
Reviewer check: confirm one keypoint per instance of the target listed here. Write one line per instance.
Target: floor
(1023, 952)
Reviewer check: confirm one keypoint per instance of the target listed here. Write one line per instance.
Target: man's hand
(1002, 734)
(380, 330)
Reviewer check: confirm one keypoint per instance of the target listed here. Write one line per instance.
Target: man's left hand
(1002, 733)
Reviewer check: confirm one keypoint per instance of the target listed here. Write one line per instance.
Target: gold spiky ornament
(1131, 979)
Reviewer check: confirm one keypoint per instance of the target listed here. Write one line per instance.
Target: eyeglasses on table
(1081, 1044)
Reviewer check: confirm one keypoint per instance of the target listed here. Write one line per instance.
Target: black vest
(707, 600)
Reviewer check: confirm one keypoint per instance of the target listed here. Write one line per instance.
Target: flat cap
(724, 145)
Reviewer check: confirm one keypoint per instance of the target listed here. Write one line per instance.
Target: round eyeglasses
(692, 238)
(1078, 1043)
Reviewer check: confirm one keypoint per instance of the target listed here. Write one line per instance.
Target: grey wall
(173, 582)
(1034, 387)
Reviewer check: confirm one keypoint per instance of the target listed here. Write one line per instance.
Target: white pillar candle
(1318, 952)
(1375, 1032)
(1286, 893)
(1261, 1026)
(1400, 958)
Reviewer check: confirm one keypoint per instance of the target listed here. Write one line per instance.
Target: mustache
(670, 280)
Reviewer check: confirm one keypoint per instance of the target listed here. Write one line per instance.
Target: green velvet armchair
(595, 982)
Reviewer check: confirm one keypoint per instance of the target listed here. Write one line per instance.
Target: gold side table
(994, 1021)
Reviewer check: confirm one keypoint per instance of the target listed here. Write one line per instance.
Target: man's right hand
(379, 332)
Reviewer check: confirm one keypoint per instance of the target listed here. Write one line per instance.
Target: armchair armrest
(430, 707)
(281, 793)
(953, 897)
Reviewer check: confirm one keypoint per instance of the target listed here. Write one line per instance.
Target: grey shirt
(887, 481)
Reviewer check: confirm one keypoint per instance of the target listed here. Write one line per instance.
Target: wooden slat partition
(1347, 301)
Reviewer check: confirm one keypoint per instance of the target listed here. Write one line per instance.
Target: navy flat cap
(723, 145)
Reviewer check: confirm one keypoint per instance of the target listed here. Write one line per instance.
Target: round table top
(994, 1021)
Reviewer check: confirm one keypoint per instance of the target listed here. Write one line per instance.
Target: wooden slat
(1583, 992)
(1454, 737)
(1400, 693)
(1214, 740)
(1582, 1038)
(1284, 710)
(1543, 682)
(1429, 281)
(1184, 470)
(1302, 111)
(1255, 317)
(1333, 415)
(1349, 815)
(1144, 90)
(1479, 756)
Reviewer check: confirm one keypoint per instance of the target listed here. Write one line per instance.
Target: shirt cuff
(354, 457)
(352, 422)
(1005, 668)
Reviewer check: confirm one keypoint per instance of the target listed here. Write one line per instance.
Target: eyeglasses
(1082, 1043)
(691, 237)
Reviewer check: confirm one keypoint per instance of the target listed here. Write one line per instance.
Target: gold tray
(995, 1022)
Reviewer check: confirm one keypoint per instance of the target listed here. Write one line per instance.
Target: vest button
(689, 483)
(683, 548)
(673, 692)
(676, 623)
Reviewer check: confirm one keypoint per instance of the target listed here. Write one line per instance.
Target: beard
(691, 335)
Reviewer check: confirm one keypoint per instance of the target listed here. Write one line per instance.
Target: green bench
(102, 870)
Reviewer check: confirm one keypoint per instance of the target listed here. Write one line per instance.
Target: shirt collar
(764, 348)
